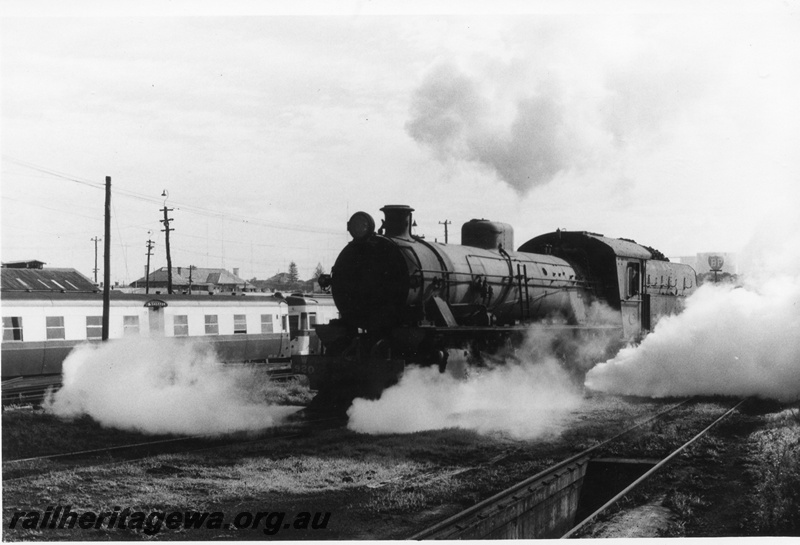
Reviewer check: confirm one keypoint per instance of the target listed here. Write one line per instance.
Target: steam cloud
(524, 401)
(451, 116)
(525, 396)
(741, 341)
(531, 121)
(161, 386)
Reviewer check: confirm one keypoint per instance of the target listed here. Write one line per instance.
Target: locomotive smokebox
(397, 222)
(489, 235)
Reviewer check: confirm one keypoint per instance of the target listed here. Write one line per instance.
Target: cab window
(632, 280)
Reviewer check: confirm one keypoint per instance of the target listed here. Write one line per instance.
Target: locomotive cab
(639, 288)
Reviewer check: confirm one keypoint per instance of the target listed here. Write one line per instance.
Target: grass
(293, 391)
(30, 432)
(377, 486)
(33, 432)
(684, 504)
(776, 469)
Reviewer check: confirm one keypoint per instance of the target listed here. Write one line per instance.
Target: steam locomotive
(405, 300)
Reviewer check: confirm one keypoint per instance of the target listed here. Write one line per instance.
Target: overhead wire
(185, 207)
(235, 218)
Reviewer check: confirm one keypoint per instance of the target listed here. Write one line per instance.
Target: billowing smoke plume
(451, 115)
(535, 119)
(741, 341)
(161, 386)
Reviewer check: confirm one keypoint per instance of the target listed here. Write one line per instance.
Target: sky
(265, 126)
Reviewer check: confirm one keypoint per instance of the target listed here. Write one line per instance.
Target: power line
(185, 207)
(51, 173)
(97, 217)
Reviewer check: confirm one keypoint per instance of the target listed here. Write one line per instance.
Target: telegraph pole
(96, 240)
(166, 230)
(191, 268)
(107, 261)
(147, 270)
(445, 223)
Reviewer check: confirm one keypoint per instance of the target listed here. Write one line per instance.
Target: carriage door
(631, 298)
(156, 316)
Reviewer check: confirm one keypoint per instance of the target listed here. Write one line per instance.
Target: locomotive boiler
(405, 300)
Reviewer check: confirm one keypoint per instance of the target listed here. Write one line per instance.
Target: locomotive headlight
(361, 225)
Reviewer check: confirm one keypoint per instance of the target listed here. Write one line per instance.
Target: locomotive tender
(405, 300)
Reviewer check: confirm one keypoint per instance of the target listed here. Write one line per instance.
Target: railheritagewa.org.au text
(150, 523)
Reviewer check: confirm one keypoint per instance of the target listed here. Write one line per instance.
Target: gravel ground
(390, 486)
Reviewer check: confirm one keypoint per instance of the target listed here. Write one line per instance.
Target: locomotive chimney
(397, 222)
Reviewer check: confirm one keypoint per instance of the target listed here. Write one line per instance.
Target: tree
(319, 271)
(293, 273)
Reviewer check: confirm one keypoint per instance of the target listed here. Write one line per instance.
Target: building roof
(53, 279)
(200, 276)
(26, 264)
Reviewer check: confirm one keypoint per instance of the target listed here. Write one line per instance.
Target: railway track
(28, 391)
(32, 467)
(32, 391)
(546, 505)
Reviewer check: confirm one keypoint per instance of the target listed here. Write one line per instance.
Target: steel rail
(649, 473)
(105, 449)
(34, 394)
(454, 520)
(271, 434)
(145, 444)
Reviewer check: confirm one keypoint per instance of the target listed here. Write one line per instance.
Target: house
(196, 279)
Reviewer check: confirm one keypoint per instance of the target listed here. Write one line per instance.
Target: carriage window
(632, 289)
(130, 326)
(285, 323)
(55, 327)
(304, 320)
(294, 325)
(312, 319)
(12, 328)
(212, 327)
(180, 325)
(239, 323)
(94, 327)
(266, 323)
